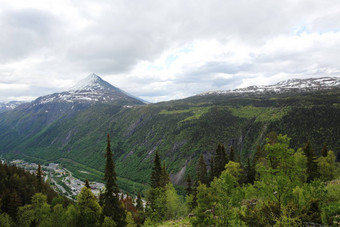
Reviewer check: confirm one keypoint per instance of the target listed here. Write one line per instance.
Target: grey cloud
(25, 31)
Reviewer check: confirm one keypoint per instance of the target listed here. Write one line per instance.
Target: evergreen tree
(87, 184)
(39, 179)
(250, 171)
(164, 177)
(231, 154)
(189, 185)
(202, 175)
(312, 167)
(324, 151)
(139, 202)
(220, 160)
(212, 170)
(156, 173)
(112, 207)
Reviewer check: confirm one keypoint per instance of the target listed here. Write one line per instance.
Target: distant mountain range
(292, 85)
(9, 105)
(70, 127)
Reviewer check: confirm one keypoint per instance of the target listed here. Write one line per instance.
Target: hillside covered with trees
(279, 186)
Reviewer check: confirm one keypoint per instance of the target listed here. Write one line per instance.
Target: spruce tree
(312, 167)
(39, 178)
(87, 184)
(231, 154)
(212, 170)
(250, 171)
(164, 177)
(112, 207)
(139, 202)
(156, 173)
(202, 175)
(220, 160)
(189, 185)
(324, 151)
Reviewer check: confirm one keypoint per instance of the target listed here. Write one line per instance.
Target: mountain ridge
(291, 85)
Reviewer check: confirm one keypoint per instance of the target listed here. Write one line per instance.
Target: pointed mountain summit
(92, 82)
(92, 89)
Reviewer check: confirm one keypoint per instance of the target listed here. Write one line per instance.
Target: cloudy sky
(162, 50)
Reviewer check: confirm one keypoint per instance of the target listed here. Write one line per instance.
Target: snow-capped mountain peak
(291, 85)
(90, 90)
(92, 82)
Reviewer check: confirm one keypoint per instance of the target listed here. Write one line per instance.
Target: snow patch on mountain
(91, 89)
(296, 85)
(5, 106)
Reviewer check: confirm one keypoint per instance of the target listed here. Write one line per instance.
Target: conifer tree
(189, 185)
(231, 154)
(312, 167)
(39, 178)
(112, 207)
(250, 171)
(156, 173)
(139, 202)
(202, 175)
(220, 160)
(212, 170)
(87, 184)
(324, 151)
(164, 177)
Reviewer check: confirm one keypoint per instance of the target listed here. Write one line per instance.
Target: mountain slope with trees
(179, 130)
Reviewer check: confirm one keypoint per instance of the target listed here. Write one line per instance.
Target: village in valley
(59, 178)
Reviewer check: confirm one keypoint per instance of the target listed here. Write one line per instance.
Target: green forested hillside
(180, 130)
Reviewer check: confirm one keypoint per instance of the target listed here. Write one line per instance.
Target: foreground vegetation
(279, 186)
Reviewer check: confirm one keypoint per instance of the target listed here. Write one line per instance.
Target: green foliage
(326, 166)
(129, 220)
(203, 212)
(5, 220)
(108, 222)
(174, 206)
(88, 207)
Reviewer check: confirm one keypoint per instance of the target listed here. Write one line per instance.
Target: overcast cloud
(162, 50)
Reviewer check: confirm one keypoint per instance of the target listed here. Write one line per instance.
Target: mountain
(9, 105)
(180, 130)
(90, 90)
(292, 85)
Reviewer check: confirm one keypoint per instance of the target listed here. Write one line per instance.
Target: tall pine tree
(189, 185)
(231, 154)
(220, 160)
(324, 151)
(164, 177)
(156, 174)
(312, 167)
(39, 178)
(112, 207)
(250, 171)
(202, 175)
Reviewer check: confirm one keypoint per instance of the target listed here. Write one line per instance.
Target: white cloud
(165, 50)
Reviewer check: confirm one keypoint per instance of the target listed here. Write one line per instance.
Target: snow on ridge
(284, 86)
